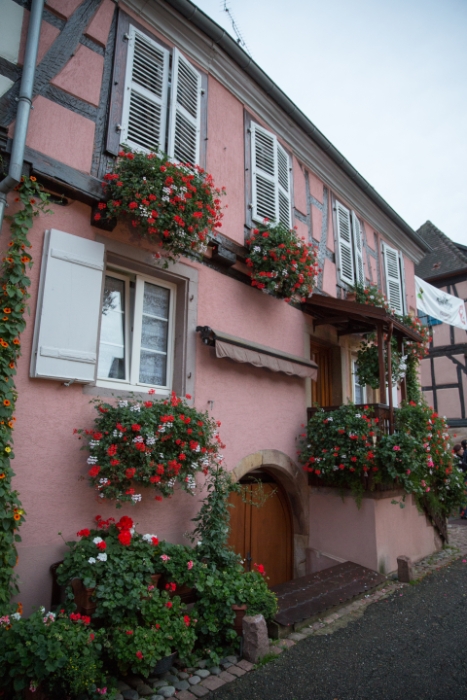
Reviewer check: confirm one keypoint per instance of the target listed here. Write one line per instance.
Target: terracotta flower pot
(240, 612)
(83, 597)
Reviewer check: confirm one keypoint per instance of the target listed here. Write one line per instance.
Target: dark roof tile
(445, 256)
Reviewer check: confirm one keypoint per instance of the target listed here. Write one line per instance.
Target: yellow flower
(7, 449)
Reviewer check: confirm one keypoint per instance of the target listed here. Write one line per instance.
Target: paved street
(411, 645)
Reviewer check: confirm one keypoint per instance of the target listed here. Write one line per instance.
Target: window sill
(114, 390)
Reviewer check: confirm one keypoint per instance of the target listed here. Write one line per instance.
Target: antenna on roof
(240, 40)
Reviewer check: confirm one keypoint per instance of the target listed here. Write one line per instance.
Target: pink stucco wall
(225, 156)
(47, 37)
(74, 77)
(61, 134)
(374, 535)
(99, 25)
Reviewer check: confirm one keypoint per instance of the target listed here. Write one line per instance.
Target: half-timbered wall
(444, 372)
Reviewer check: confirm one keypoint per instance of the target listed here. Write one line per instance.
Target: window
(136, 334)
(109, 316)
(358, 390)
(394, 274)
(158, 97)
(349, 246)
(271, 178)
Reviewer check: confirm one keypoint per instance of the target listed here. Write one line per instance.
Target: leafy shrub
(61, 654)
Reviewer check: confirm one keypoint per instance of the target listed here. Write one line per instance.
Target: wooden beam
(389, 360)
(382, 373)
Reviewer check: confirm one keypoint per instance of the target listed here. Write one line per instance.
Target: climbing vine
(14, 283)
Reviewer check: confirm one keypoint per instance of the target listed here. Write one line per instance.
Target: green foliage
(336, 447)
(402, 363)
(119, 572)
(419, 457)
(149, 444)
(175, 204)
(281, 262)
(212, 529)
(62, 655)
(339, 447)
(164, 629)
(14, 285)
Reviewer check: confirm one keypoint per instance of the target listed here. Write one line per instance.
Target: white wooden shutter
(344, 244)
(185, 111)
(393, 278)
(358, 249)
(264, 174)
(145, 95)
(283, 187)
(68, 308)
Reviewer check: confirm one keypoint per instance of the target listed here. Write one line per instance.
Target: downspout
(24, 106)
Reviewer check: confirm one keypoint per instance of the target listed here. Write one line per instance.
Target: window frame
(133, 338)
(117, 92)
(355, 384)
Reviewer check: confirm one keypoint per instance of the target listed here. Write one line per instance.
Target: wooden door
(321, 389)
(262, 534)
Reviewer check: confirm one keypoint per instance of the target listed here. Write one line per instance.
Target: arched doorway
(261, 526)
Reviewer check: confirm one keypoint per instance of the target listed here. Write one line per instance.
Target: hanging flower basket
(174, 204)
(150, 444)
(281, 262)
(402, 362)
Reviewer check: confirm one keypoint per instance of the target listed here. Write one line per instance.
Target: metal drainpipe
(24, 106)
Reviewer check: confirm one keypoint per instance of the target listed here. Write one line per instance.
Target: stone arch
(294, 482)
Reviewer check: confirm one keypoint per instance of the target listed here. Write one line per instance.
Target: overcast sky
(384, 80)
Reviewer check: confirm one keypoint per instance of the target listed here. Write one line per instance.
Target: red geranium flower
(124, 538)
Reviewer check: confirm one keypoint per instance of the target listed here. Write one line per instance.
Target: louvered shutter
(264, 169)
(393, 278)
(145, 100)
(283, 186)
(68, 308)
(358, 249)
(185, 111)
(344, 244)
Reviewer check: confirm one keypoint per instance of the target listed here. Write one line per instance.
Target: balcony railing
(375, 410)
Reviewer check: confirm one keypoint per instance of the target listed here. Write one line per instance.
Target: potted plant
(114, 565)
(163, 631)
(155, 444)
(55, 655)
(281, 262)
(174, 204)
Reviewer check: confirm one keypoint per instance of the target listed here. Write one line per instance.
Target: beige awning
(241, 350)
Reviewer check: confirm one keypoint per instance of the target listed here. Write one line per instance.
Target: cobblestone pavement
(204, 680)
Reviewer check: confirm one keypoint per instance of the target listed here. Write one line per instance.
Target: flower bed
(281, 262)
(174, 204)
(153, 444)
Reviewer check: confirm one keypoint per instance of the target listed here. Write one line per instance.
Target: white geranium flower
(92, 460)
(117, 433)
(17, 616)
(122, 404)
(136, 408)
(91, 560)
(102, 556)
(150, 440)
(136, 497)
(96, 540)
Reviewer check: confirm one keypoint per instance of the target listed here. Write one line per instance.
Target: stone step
(309, 597)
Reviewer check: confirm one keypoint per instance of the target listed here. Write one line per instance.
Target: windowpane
(112, 341)
(153, 368)
(154, 335)
(156, 300)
